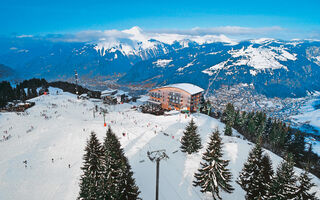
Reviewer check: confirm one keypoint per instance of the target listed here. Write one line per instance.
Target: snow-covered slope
(259, 59)
(308, 120)
(58, 126)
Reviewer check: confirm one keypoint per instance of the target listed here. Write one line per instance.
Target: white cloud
(24, 36)
(236, 33)
(225, 30)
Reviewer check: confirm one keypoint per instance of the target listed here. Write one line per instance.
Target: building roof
(108, 91)
(143, 98)
(190, 88)
(153, 102)
(106, 95)
(84, 95)
(120, 92)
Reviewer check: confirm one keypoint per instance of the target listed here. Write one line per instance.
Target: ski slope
(58, 127)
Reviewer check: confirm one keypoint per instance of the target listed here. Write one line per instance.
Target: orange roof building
(181, 96)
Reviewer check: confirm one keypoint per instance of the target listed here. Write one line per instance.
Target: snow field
(61, 126)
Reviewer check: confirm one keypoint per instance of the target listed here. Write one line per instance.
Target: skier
(25, 163)
(52, 160)
(69, 165)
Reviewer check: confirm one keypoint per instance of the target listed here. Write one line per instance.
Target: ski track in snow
(63, 137)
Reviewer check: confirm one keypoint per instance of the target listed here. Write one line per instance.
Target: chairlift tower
(157, 156)
(76, 78)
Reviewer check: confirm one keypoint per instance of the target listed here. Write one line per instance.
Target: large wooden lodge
(181, 96)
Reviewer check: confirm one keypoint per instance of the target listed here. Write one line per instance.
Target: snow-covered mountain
(135, 41)
(54, 133)
(274, 67)
(110, 52)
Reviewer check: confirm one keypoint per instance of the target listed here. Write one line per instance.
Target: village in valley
(245, 98)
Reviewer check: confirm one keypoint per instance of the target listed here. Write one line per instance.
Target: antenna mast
(76, 77)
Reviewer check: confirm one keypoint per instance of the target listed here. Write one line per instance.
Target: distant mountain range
(274, 67)
(6, 73)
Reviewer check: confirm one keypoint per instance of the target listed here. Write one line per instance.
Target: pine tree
(284, 184)
(274, 135)
(228, 114)
(305, 185)
(244, 123)
(118, 181)
(251, 178)
(213, 174)
(228, 130)
(267, 129)
(267, 170)
(34, 92)
(131, 190)
(260, 119)
(29, 94)
(92, 170)
(237, 120)
(297, 145)
(7, 93)
(191, 141)
(267, 175)
(23, 95)
(251, 127)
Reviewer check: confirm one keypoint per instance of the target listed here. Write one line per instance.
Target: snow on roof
(143, 98)
(190, 88)
(106, 95)
(153, 102)
(120, 92)
(108, 91)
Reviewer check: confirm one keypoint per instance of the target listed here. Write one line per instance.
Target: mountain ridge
(208, 61)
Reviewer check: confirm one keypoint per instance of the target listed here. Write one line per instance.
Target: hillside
(6, 73)
(58, 127)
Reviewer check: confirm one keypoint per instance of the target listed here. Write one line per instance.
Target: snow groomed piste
(51, 137)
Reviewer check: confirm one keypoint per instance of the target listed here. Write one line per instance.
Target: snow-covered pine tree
(237, 120)
(191, 141)
(112, 166)
(228, 130)
(213, 174)
(260, 119)
(118, 181)
(296, 146)
(284, 185)
(92, 170)
(131, 190)
(228, 115)
(267, 174)
(251, 129)
(267, 128)
(304, 187)
(251, 179)
(267, 170)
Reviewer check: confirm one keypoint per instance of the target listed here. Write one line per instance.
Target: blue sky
(298, 18)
